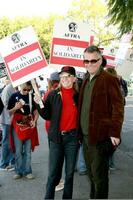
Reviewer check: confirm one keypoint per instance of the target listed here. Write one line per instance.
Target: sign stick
(34, 85)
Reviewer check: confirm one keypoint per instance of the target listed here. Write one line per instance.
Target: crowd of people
(81, 134)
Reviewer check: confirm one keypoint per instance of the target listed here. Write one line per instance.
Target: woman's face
(67, 80)
(25, 89)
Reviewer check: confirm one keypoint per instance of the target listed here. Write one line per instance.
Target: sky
(13, 8)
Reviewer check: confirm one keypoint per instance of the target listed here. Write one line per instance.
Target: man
(60, 108)
(101, 117)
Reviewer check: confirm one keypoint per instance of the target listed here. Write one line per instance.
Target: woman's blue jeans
(22, 155)
(57, 153)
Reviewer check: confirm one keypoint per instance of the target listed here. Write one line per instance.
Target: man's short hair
(92, 49)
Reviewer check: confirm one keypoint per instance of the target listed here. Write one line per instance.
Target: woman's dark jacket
(52, 111)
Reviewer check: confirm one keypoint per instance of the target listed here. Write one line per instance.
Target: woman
(23, 129)
(60, 108)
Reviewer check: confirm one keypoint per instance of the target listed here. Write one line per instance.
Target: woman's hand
(32, 123)
(37, 98)
(18, 105)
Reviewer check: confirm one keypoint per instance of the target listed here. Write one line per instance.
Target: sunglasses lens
(86, 61)
(65, 76)
(26, 90)
(90, 61)
(93, 61)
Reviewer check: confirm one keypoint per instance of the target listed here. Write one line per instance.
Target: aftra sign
(69, 41)
(109, 54)
(23, 56)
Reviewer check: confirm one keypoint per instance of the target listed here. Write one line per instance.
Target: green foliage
(94, 13)
(42, 26)
(121, 13)
(87, 10)
(5, 27)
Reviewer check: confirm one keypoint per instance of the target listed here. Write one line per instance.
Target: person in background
(22, 108)
(7, 160)
(123, 83)
(53, 82)
(101, 112)
(124, 88)
(81, 166)
(1, 109)
(1, 106)
(60, 108)
(41, 85)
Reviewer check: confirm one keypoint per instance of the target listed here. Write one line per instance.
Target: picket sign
(23, 56)
(69, 42)
(34, 85)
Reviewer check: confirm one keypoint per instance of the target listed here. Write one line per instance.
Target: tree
(95, 14)
(42, 26)
(121, 13)
(5, 27)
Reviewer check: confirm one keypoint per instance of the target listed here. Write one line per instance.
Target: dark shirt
(26, 107)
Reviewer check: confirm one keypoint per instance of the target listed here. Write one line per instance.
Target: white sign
(109, 54)
(126, 67)
(69, 42)
(123, 47)
(23, 56)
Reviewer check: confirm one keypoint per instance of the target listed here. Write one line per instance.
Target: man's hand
(115, 141)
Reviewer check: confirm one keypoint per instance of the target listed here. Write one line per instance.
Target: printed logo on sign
(72, 31)
(72, 27)
(15, 38)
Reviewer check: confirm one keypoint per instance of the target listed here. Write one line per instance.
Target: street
(121, 180)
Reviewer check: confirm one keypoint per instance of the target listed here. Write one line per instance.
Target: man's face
(92, 62)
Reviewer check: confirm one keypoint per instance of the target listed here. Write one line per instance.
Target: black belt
(67, 132)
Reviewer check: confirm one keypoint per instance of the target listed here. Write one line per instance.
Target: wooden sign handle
(34, 85)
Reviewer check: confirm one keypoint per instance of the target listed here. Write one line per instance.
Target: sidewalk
(121, 180)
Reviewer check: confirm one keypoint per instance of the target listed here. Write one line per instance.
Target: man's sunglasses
(93, 61)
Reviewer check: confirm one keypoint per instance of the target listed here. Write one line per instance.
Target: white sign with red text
(23, 56)
(123, 47)
(109, 54)
(69, 42)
